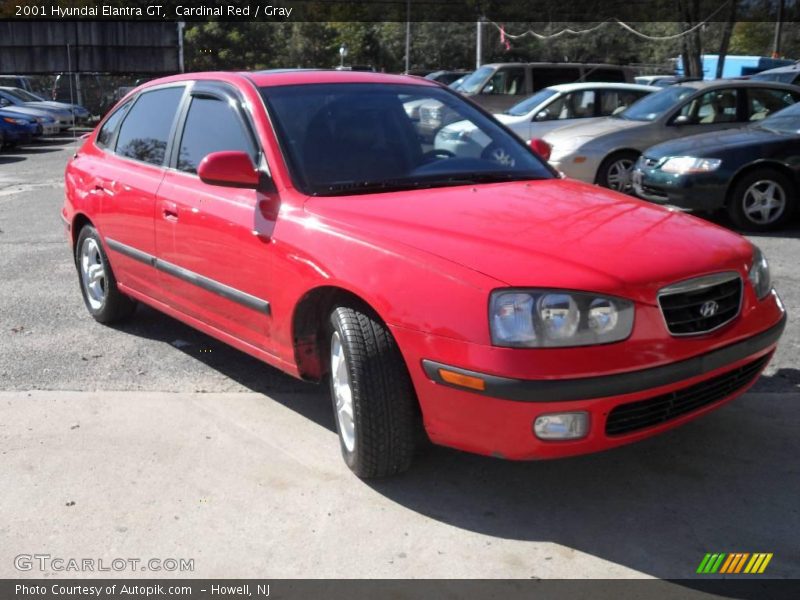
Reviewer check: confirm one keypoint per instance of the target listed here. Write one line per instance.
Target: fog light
(562, 426)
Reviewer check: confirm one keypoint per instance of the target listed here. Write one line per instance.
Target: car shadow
(308, 399)
(792, 230)
(724, 483)
(5, 159)
(33, 149)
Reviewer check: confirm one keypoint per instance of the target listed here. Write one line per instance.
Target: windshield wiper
(397, 185)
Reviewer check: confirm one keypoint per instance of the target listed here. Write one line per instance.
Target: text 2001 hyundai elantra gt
(299, 217)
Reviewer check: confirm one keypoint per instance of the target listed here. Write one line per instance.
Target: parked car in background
(456, 85)
(500, 86)
(79, 113)
(752, 172)
(549, 109)
(46, 119)
(17, 81)
(445, 77)
(63, 116)
(788, 74)
(17, 128)
(656, 80)
(485, 302)
(605, 151)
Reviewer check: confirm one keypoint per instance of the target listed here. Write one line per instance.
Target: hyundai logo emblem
(709, 309)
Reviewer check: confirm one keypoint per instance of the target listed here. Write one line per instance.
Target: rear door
(125, 176)
(213, 241)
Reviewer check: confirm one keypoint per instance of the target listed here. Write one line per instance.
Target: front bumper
(499, 420)
(577, 166)
(691, 192)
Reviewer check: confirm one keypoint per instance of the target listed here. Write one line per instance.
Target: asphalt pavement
(151, 440)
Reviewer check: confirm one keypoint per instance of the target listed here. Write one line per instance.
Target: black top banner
(630, 11)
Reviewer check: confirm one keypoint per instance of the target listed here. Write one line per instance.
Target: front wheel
(372, 394)
(616, 170)
(762, 200)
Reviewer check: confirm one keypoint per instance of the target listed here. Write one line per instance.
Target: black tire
(604, 172)
(385, 417)
(741, 195)
(114, 305)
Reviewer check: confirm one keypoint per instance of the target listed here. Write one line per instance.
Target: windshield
(24, 95)
(785, 121)
(362, 138)
(654, 105)
(781, 77)
(17, 93)
(474, 83)
(526, 106)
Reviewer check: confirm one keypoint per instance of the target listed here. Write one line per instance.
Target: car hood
(25, 110)
(706, 144)
(593, 129)
(553, 233)
(46, 106)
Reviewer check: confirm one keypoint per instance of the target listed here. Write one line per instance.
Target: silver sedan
(605, 151)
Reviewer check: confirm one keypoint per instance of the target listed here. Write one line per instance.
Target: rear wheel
(762, 200)
(615, 171)
(372, 394)
(103, 299)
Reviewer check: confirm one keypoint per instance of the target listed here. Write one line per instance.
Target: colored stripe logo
(734, 563)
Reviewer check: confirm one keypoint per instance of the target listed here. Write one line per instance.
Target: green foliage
(448, 45)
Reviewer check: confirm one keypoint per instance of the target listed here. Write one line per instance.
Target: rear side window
(211, 126)
(106, 134)
(546, 76)
(614, 101)
(762, 102)
(145, 130)
(610, 75)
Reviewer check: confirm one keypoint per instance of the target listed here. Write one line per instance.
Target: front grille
(634, 416)
(650, 162)
(701, 305)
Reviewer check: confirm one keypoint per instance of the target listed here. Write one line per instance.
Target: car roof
(599, 85)
(727, 83)
(784, 69)
(554, 65)
(310, 76)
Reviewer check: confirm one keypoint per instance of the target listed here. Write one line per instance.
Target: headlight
(759, 274)
(683, 165)
(14, 121)
(547, 318)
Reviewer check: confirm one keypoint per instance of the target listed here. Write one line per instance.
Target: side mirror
(488, 88)
(542, 115)
(230, 168)
(619, 109)
(682, 120)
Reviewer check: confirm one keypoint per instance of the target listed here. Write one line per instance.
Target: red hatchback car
(486, 302)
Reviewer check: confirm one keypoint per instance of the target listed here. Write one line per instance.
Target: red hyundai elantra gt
(300, 217)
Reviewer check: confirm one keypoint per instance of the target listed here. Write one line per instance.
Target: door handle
(105, 187)
(169, 211)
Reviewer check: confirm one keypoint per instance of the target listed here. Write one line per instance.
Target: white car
(548, 109)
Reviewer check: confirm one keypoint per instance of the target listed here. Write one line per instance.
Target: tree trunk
(726, 38)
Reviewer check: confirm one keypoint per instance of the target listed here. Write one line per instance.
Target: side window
(145, 131)
(546, 76)
(508, 81)
(615, 101)
(211, 126)
(717, 106)
(579, 105)
(762, 102)
(609, 75)
(106, 134)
